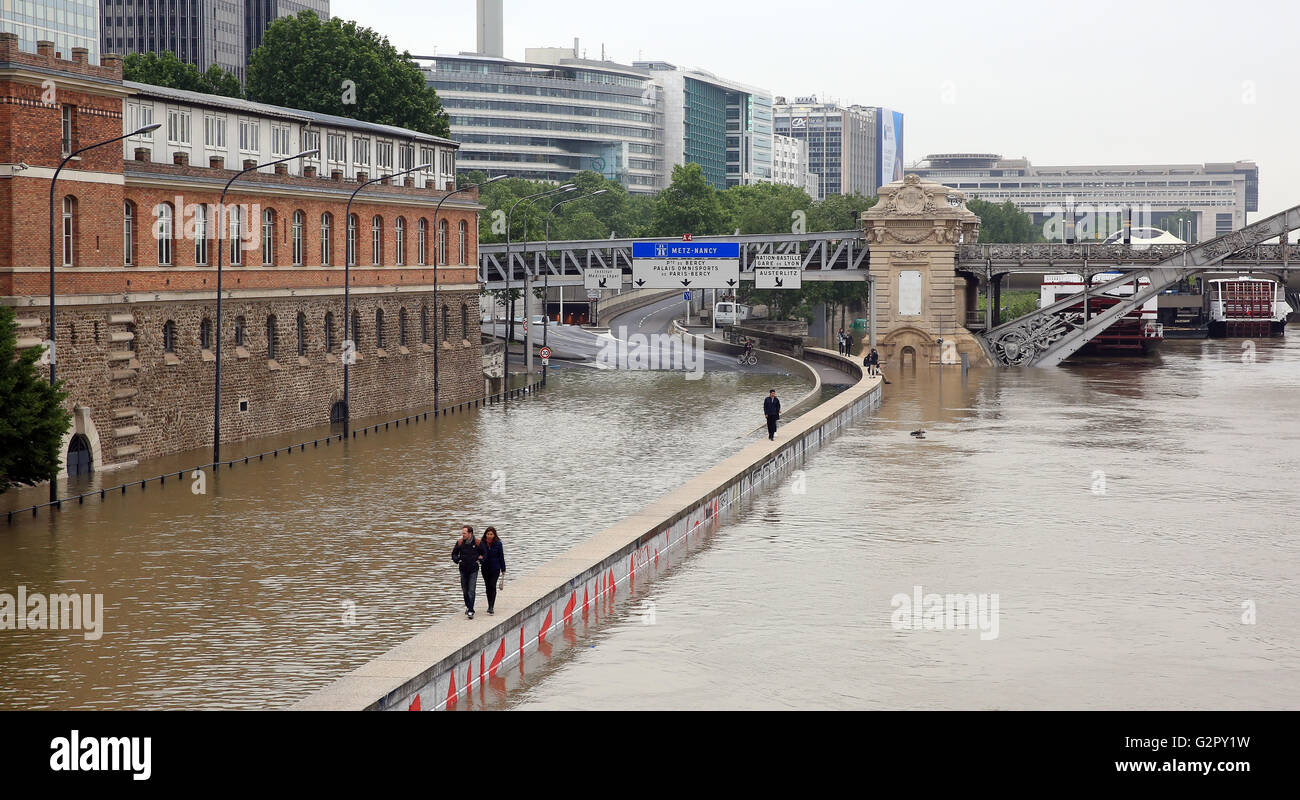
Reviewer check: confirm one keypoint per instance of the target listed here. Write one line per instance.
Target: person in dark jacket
(772, 410)
(875, 361)
(494, 564)
(467, 554)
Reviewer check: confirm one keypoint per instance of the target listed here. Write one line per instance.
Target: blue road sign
(686, 250)
(686, 295)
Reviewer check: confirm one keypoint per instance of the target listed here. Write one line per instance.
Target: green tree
(766, 208)
(218, 81)
(165, 69)
(838, 212)
(336, 67)
(32, 417)
(690, 204)
(1005, 223)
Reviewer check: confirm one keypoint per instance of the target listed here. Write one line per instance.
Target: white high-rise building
(790, 165)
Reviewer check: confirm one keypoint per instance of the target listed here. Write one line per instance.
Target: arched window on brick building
(69, 231)
(464, 322)
(442, 242)
(164, 230)
(128, 233)
(241, 335)
(446, 326)
(329, 332)
(379, 328)
(297, 238)
(268, 237)
(422, 242)
(351, 254)
(302, 334)
(205, 334)
(401, 326)
(464, 242)
(424, 324)
(326, 245)
(377, 241)
(356, 330)
(201, 235)
(399, 241)
(236, 236)
(272, 338)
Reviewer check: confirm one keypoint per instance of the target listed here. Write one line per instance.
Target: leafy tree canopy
(336, 67)
(1005, 223)
(165, 69)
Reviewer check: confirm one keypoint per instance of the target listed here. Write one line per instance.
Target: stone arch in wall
(906, 338)
(82, 425)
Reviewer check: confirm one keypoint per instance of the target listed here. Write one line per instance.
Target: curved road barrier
(445, 665)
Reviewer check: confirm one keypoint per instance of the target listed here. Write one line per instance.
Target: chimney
(217, 162)
(80, 55)
(110, 61)
(45, 48)
(362, 177)
(490, 27)
(409, 182)
(142, 154)
(249, 163)
(309, 171)
(181, 158)
(282, 168)
(336, 175)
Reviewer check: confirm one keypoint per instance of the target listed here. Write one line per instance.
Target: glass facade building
(552, 116)
(67, 23)
(844, 144)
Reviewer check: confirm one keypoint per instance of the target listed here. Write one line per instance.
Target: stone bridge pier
(914, 231)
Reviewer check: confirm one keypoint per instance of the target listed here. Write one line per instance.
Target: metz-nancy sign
(685, 265)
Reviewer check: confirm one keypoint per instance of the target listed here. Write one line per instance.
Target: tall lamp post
(221, 219)
(54, 489)
(510, 320)
(349, 253)
(437, 253)
(546, 278)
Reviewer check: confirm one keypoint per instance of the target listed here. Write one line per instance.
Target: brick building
(135, 259)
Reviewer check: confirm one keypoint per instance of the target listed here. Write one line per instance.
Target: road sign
(545, 361)
(686, 237)
(545, 352)
(777, 271)
(602, 278)
(685, 273)
(593, 294)
(685, 250)
(686, 295)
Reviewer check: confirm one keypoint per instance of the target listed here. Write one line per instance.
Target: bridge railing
(823, 250)
(977, 257)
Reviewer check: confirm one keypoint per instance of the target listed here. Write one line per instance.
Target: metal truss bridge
(829, 255)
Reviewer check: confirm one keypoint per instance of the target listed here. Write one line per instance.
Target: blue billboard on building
(889, 146)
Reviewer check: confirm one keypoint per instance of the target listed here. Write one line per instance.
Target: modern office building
(66, 23)
(790, 165)
(553, 115)
(201, 32)
(722, 125)
(853, 150)
(1216, 196)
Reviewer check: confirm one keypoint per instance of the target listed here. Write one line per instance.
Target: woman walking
(467, 554)
(494, 564)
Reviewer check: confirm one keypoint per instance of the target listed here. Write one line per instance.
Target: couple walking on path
(470, 554)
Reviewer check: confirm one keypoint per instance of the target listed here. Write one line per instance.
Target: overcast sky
(1144, 81)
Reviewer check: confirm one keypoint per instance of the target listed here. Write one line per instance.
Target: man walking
(772, 410)
(467, 554)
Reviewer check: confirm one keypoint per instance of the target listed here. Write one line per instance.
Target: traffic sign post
(685, 265)
(545, 352)
(602, 278)
(778, 271)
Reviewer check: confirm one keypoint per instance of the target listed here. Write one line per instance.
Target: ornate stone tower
(913, 232)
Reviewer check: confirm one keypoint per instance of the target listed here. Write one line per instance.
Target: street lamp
(349, 344)
(510, 321)
(546, 279)
(221, 218)
(54, 491)
(437, 251)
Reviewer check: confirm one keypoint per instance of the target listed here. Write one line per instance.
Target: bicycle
(750, 359)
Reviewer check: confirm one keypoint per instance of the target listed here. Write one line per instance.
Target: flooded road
(288, 573)
(1138, 523)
